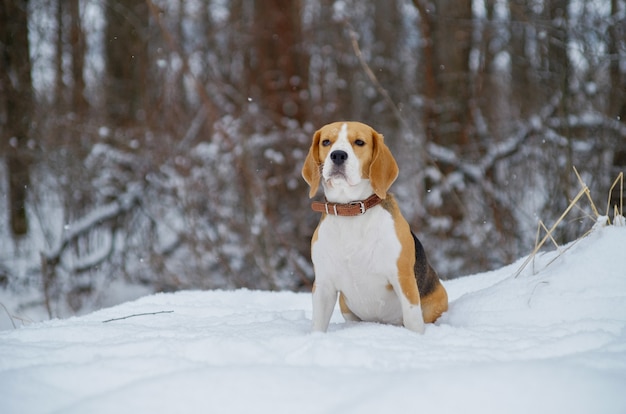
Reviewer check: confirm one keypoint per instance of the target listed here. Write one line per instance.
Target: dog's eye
(326, 142)
(359, 142)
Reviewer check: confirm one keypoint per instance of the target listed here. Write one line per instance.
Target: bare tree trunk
(387, 66)
(558, 79)
(447, 86)
(126, 51)
(525, 88)
(617, 97)
(77, 42)
(58, 58)
(333, 68)
(17, 105)
(279, 65)
(446, 60)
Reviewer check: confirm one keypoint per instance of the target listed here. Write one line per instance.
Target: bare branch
(136, 315)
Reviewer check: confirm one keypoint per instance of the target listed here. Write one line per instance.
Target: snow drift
(551, 340)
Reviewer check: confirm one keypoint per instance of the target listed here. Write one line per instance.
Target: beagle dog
(363, 249)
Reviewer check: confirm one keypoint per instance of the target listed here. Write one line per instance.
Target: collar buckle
(334, 208)
(359, 203)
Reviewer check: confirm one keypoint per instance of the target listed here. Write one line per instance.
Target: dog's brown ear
(383, 169)
(311, 167)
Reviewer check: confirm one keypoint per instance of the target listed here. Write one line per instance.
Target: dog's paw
(413, 320)
(415, 327)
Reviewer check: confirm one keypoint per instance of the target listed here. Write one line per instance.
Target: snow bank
(550, 340)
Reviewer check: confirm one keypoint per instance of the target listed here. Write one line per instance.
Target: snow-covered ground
(552, 340)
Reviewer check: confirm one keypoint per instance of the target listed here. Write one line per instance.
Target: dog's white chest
(358, 256)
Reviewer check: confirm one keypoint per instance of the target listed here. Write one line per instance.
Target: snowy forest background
(158, 143)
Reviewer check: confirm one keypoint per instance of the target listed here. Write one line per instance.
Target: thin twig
(530, 298)
(372, 76)
(8, 314)
(137, 314)
(619, 179)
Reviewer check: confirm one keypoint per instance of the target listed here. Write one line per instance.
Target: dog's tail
(425, 275)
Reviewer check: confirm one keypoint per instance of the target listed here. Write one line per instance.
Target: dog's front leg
(408, 295)
(324, 299)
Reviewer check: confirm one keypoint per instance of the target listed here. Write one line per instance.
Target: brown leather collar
(354, 208)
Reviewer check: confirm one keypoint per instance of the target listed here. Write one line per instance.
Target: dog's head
(352, 160)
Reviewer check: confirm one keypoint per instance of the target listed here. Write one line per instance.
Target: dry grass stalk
(587, 193)
(620, 180)
(548, 235)
(540, 226)
(618, 217)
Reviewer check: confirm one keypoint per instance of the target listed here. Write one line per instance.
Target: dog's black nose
(338, 157)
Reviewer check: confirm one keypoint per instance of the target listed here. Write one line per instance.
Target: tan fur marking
(383, 169)
(315, 233)
(342, 304)
(311, 167)
(435, 304)
(345, 310)
(406, 260)
(313, 240)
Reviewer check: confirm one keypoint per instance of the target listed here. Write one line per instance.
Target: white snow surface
(552, 340)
